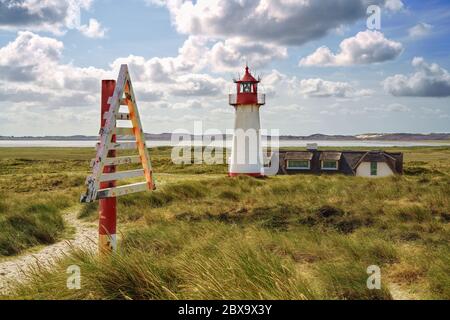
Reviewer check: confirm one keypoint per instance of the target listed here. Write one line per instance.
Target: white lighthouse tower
(246, 155)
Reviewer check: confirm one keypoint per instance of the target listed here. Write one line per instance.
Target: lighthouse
(246, 155)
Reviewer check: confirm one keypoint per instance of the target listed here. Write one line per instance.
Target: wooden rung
(124, 102)
(118, 161)
(123, 116)
(122, 160)
(123, 146)
(122, 175)
(124, 131)
(122, 190)
(120, 146)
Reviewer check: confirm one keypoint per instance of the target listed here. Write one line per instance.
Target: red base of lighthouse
(255, 175)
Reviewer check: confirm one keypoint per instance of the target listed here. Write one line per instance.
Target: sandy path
(85, 237)
(399, 292)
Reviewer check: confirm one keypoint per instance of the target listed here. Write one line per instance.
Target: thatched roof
(330, 156)
(299, 155)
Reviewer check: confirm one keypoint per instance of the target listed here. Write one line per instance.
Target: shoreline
(227, 143)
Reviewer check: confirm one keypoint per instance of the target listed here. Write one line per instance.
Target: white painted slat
(121, 175)
(124, 146)
(122, 160)
(125, 131)
(123, 116)
(122, 190)
(120, 146)
(119, 160)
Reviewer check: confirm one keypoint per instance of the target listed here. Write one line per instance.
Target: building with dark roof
(356, 163)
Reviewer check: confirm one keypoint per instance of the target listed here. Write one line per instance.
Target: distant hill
(318, 136)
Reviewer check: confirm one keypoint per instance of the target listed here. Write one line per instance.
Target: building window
(373, 168)
(329, 165)
(298, 164)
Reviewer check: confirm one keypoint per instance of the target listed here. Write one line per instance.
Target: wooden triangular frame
(123, 95)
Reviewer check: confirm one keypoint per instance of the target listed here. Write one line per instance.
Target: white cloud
(93, 30)
(420, 30)
(193, 104)
(31, 71)
(277, 83)
(37, 15)
(32, 74)
(364, 48)
(397, 107)
(198, 85)
(394, 5)
(175, 76)
(429, 80)
(319, 88)
(232, 54)
(286, 22)
(27, 56)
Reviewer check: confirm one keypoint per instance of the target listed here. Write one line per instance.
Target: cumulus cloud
(31, 71)
(365, 48)
(198, 85)
(284, 22)
(394, 5)
(27, 56)
(49, 15)
(420, 30)
(278, 83)
(173, 76)
(429, 80)
(93, 30)
(319, 88)
(232, 54)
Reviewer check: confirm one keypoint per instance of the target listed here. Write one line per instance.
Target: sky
(327, 66)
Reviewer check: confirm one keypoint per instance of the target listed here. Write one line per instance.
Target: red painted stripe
(108, 207)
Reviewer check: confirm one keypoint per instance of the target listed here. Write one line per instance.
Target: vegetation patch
(208, 236)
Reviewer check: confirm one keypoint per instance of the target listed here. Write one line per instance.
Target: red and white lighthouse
(246, 155)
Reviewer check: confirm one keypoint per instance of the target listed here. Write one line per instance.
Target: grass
(202, 235)
(29, 221)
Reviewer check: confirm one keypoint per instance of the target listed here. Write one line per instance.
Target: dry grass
(206, 236)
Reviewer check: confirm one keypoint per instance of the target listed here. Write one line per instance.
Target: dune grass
(206, 236)
(29, 221)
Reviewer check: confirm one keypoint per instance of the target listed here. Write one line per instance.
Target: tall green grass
(30, 221)
(202, 236)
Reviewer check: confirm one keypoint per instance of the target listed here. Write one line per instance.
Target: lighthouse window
(247, 87)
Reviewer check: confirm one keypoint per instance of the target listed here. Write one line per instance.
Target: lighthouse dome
(248, 77)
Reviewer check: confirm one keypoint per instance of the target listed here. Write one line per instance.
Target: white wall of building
(383, 170)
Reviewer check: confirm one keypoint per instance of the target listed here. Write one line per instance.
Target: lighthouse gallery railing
(232, 98)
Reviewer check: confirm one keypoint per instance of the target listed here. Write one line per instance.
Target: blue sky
(322, 69)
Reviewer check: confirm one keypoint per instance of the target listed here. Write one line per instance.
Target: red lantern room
(247, 91)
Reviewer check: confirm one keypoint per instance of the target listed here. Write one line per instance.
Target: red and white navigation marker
(101, 185)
